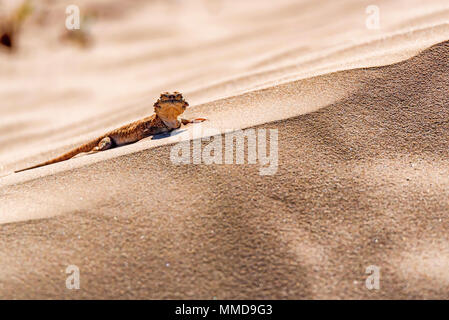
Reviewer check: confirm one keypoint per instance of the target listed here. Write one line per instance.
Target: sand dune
(363, 124)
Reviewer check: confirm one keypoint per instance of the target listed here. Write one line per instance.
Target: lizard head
(169, 106)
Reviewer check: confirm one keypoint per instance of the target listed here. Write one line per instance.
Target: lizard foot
(104, 144)
(197, 120)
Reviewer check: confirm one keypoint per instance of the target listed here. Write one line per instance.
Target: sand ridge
(73, 96)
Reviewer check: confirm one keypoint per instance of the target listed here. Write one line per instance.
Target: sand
(362, 117)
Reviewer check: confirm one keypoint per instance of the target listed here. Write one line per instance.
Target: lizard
(165, 119)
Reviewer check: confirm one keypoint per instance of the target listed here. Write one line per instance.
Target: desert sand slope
(362, 181)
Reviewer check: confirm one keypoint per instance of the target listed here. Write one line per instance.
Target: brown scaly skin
(167, 109)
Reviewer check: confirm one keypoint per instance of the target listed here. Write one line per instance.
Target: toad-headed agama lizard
(167, 109)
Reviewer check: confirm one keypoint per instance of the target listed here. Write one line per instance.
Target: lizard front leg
(197, 120)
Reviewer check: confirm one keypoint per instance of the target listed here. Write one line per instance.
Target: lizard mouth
(175, 102)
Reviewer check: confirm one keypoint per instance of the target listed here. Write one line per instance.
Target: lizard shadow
(166, 134)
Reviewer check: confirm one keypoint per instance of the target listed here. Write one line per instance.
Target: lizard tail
(83, 148)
